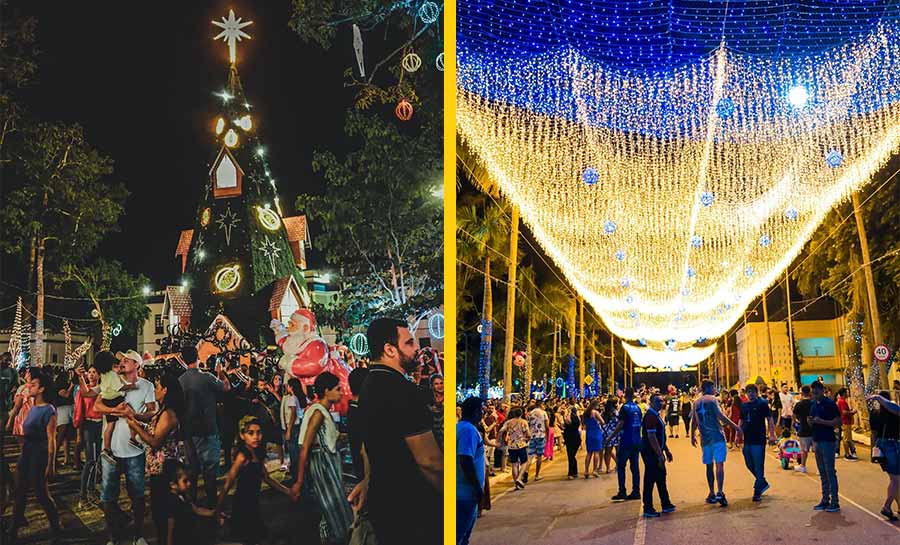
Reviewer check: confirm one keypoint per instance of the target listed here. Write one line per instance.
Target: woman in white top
(319, 446)
(292, 405)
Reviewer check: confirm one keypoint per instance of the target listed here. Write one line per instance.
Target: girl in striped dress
(318, 447)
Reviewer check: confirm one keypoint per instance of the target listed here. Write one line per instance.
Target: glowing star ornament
(232, 33)
(227, 279)
(227, 221)
(271, 250)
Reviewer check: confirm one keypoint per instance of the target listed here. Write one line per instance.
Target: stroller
(788, 449)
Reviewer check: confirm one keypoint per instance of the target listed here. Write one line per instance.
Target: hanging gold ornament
(411, 62)
(404, 110)
(227, 279)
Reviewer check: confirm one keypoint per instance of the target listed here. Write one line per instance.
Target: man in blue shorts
(707, 416)
(629, 447)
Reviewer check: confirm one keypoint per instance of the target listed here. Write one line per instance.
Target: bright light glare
(146, 290)
(798, 96)
(666, 359)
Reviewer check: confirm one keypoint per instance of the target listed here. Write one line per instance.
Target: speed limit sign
(882, 353)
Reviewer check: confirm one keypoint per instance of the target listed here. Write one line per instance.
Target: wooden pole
(768, 336)
(511, 303)
(795, 366)
(874, 318)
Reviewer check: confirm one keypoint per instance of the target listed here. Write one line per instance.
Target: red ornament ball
(404, 110)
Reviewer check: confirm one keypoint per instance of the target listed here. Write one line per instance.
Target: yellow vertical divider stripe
(450, 272)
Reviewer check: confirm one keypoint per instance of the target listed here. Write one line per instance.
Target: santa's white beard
(293, 344)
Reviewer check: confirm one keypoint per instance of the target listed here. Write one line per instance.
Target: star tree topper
(232, 33)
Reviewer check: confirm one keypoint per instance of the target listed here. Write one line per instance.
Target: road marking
(879, 518)
(640, 531)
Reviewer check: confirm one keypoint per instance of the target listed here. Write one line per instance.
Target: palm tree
(484, 228)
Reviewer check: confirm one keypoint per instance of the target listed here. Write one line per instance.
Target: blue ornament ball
(707, 198)
(725, 108)
(834, 158)
(590, 176)
(748, 271)
(691, 272)
(764, 241)
(620, 255)
(609, 227)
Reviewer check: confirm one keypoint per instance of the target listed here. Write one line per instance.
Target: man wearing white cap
(139, 401)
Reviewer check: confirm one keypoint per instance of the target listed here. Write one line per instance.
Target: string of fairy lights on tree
(672, 198)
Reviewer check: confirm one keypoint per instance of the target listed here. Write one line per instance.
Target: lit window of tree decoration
(669, 159)
(244, 122)
(404, 110)
(439, 62)
(429, 12)
(359, 344)
(227, 278)
(411, 62)
(220, 126)
(268, 218)
(227, 175)
(231, 138)
(205, 217)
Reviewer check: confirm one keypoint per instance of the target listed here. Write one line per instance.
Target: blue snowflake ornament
(725, 108)
(620, 255)
(590, 176)
(791, 214)
(609, 227)
(834, 158)
(696, 241)
(764, 241)
(707, 198)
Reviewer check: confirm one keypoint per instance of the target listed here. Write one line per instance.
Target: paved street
(557, 511)
(86, 526)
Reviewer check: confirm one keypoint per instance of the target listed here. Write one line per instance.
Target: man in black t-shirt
(801, 417)
(354, 423)
(755, 415)
(403, 484)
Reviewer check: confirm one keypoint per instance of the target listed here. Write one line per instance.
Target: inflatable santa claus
(306, 355)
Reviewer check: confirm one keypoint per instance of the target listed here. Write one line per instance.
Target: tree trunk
(856, 344)
(38, 356)
(487, 326)
(511, 303)
(874, 319)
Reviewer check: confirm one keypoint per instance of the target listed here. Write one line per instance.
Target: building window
(158, 326)
(816, 347)
(55, 357)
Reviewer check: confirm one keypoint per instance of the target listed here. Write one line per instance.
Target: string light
(673, 358)
(752, 184)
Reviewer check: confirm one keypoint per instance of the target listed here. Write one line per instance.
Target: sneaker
(802, 469)
(851, 458)
(833, 508)
(519, 484)
(668, 509)
(821, 506)
(651, 514)
(721, 499)
(621, 496)
(757, 497)
(888, 514)
(634, 496)
(763, 490)
(711, 498)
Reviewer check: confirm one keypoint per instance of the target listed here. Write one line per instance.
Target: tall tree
(61, 205)
(116, 296)
(18, 57)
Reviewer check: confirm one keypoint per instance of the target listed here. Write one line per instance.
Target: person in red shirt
(89, 422)
(846, 425)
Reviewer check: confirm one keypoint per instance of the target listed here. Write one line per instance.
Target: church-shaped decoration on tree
(243, 258)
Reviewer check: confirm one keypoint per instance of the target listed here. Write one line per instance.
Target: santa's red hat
(306, 314)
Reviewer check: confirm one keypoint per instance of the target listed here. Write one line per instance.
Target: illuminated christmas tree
(240, 260)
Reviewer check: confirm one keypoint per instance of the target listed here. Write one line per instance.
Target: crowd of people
(174, 430)
(632, 428)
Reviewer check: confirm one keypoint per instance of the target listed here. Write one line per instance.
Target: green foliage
(60, 195)
(18, 59)
(824, 266)
(381, 220)
(116, 293)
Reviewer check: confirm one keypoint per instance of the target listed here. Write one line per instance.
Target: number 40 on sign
(882, 353)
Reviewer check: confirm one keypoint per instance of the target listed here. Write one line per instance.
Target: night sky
(140, 79)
